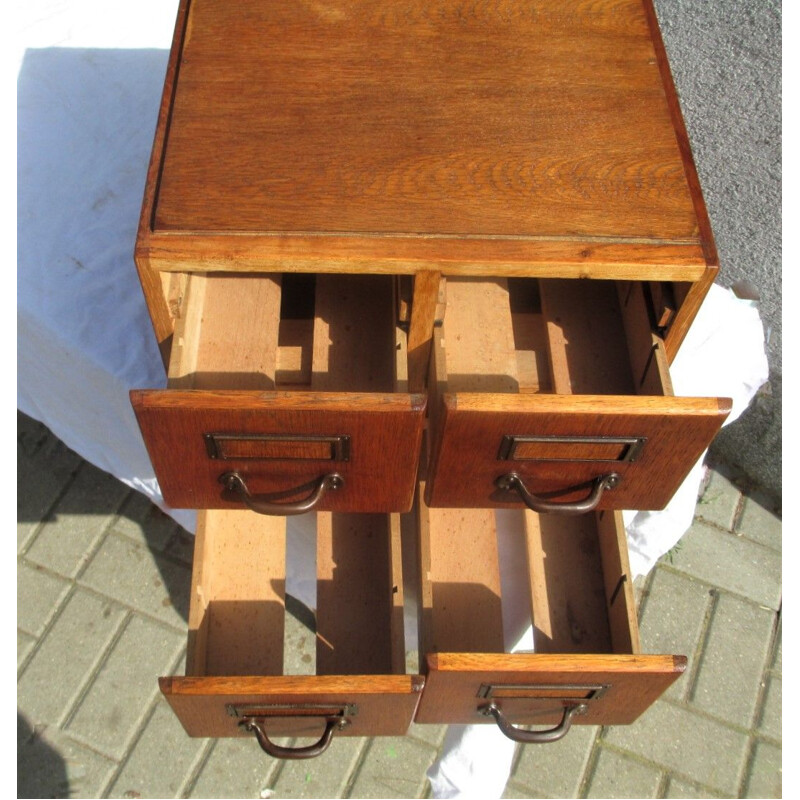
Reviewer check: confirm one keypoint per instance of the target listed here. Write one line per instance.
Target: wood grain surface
(460, 606)
(355, 590)
(567, 596)
(500, 137)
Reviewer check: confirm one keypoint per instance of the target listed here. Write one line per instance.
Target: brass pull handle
(235, 483)
(512, 480)
(277, 751)
(533, 737)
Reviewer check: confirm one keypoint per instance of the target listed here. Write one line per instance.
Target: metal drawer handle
(235, 483)
(512, 480)
(534, 737)
(277, 751)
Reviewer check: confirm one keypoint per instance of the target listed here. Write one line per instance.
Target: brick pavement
(103, 586)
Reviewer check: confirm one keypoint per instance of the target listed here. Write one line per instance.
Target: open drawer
(571, 584)
(285, 394)
(556, 394)
(235, 683)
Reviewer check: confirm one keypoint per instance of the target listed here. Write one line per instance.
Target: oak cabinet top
(475, 136)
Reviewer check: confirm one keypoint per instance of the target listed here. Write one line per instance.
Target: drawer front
(534, 688)
(371, 705)
(560, 446)
(281, 445)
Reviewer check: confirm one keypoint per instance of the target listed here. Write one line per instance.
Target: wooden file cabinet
(421, 267)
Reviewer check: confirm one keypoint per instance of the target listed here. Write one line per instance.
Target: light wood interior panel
(586, 341)
(618, 582)
(648, 356)
(460, 606)
(359, 594)
(227, 335)
(567, 591)
(236, 615)
(479, 337)
(354, 338)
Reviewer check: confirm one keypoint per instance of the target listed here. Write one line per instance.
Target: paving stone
(44, 467)
(38, 596)
(432, 734)
(515, 791)
(31, 434)
(161, 760)
(299, 639)
(728, 682)
(395, 766)
(144, 522)
(62, 665)
(672, 619)
(49, 764)
(771, 713)
(719, 502)
(123, 689)
(237, 767)
(25, 644)
(778, 658)
(556, 769)
(766, 772)
(731, 562)
(325, 776)
(180, 545)
(64, 543)
(128, 571)
(615, 775)
(681, 789)
(760, 524)
(687, 744)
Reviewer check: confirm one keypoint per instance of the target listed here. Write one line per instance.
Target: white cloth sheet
(89, 84)
(90, 75)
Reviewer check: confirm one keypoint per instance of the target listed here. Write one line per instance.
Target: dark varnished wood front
(379, 473)
(471, 429)
(384, 704)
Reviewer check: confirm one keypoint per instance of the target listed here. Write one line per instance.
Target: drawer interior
(573, 583)
(238, 596)
(552, 336)
(331, 333)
